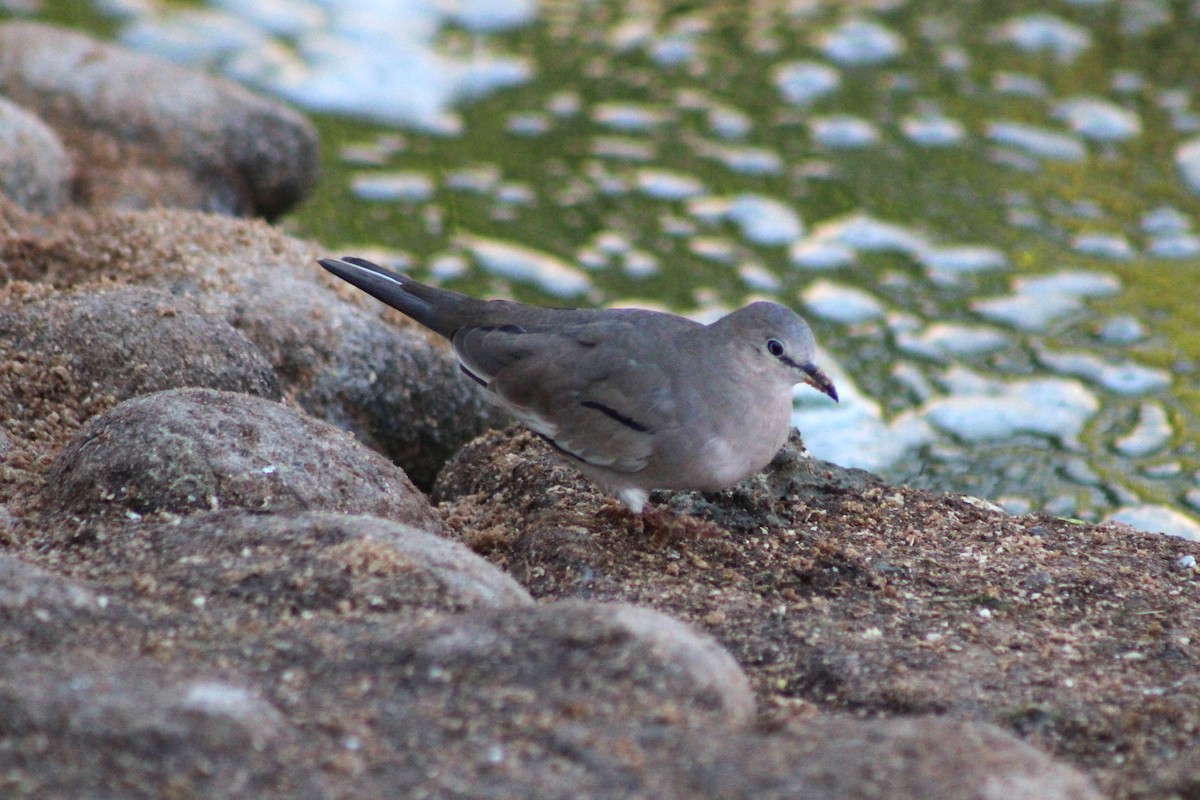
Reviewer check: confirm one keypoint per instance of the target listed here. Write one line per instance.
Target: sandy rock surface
(125, 341)
(345, 362)
(186, 450)
(839, 593)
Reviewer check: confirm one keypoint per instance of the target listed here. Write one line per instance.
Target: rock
(146, 132)
(405, 670)
(35, 170)
(558, 700)
(910, 758)
(590, 661)
(127, 341)
(186, 450)
(394, 388)
(43, 403)
(39, 610)
(491, 703)
(98, 728)
(397, 392)
(513, 467)
(837, 592)
(16, 223)
(27, 588)
(284, 563)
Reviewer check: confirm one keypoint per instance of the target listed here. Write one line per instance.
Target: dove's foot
(661, 526)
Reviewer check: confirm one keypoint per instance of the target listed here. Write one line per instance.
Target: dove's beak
(817, 379)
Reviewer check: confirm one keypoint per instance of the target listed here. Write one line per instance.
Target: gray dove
(636, 400)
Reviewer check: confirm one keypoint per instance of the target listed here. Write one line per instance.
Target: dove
(636, 400)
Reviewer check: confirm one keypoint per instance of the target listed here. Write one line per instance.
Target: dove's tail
(436, 309)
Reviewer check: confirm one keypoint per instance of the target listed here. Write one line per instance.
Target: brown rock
(839, 593)
(98, 728)
(283, 563)
(561, 700)
(822, 758)
(35, 170)
(594, 661)
(127, 341)
(186, 450)
(27, 588)
(490, 702)
(147, 132)
(39, 610)
(394, 388)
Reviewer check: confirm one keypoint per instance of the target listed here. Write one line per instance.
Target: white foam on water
(1099, 119)
(853, 432)
(448, 266)
(1187, 160)
(1045, 33)
(662, 184)
(758, 278)
(203, 37)
(1165, 220)
(948, 264)
(933, 130)
(640, 264)
(803, 83)
(1122, 330)
(728, 122)
(378, 61)
(675, 49)
(530, 123)
(985, 409)
(1158, 519)
(1151, 433)
(743, 159)
(1179, 246)
(818, 254)
(765, 220)
(839, 303)
(1038, 302)
(714, 248)
(278, 17)
(861, 42)
(622, 148)
(629, 117)
(865, 233)
(1112, 246)
(944, 340)
(1020, 83)
(843, 131)
(1126, 378)
(413, 187)
(526, 264)
(1037, 141)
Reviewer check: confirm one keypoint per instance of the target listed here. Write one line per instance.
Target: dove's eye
(775, 347)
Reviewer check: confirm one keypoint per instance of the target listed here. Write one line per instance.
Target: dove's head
(778, 342)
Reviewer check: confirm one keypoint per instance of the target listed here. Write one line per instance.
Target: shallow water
(988, 210)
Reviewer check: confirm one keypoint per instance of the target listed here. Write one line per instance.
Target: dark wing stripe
(613, 414)
(556, 446)
(472, 376)
(513, 329)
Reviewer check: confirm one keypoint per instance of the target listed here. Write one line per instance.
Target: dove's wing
(585, 388)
